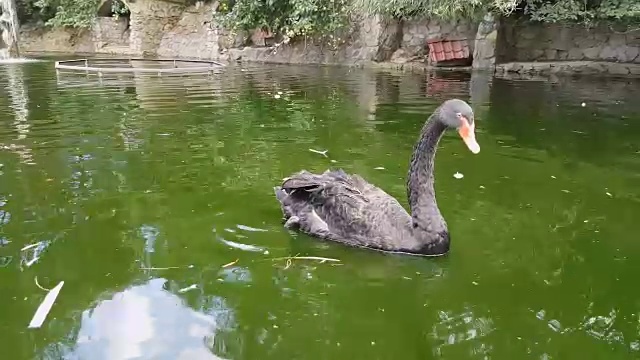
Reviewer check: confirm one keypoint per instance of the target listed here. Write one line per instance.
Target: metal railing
(124, 65)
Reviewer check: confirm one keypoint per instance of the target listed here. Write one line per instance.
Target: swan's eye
(459, 115)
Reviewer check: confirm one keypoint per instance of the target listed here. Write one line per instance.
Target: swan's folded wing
(351, 208)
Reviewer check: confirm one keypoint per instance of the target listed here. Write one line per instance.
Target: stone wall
(174, 30)
(106, 36)
(107, 31)
(150, 20)
(519, 40)
(192, 36)
(416, 33)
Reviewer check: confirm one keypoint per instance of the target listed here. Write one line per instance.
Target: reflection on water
(151, 197)
(132, 325)
(19, 99)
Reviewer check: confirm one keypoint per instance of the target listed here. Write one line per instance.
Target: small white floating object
(248, 228)
(323, 153)
(277, 96)
(45, 307)
(457, 175)
(32, 261)
(188, 288)
(378, 168)
(608, 194)
(583, 104)
(27, 247)
(279, 92)
(241, 246)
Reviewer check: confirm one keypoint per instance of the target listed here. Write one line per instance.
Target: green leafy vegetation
(65, 13)
(442, 9)
(583, 11)
(302, 18)
(566, 11)
(291, 18)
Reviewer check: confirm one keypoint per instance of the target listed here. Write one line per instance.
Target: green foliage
(118, 8)
(65, 13)
(71, 13)
(442, 9)
(291, 18)
(583, 11)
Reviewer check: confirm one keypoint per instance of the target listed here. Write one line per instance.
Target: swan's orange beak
(467, 133)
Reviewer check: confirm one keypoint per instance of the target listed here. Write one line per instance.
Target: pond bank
(174, 30)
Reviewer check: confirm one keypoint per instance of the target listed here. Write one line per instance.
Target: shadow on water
(151, 197)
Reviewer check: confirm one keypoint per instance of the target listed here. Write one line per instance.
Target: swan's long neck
(425, 214)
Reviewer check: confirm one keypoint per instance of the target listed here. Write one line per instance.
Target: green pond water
(139, 191)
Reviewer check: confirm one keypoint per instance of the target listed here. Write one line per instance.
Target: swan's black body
(346, 208)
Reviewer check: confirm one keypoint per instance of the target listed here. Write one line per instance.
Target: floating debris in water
(565, 191)
(165, 268)
(38, 284)
(37, 249)
(318, 258)
(45, 306)
(583, 104)
(323, 153)
(188, 288)
(457, 175)
(277, 96)
(231, 263)
(378, 168)
(27, 247)
(248, 228)
(608, 194)
(245, 247)
(555, 325)
(553, 177)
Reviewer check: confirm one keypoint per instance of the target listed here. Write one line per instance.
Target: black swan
(347, 209)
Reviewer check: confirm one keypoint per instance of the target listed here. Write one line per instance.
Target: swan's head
(457, 114)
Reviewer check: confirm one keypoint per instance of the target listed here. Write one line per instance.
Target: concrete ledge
(570, 67)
